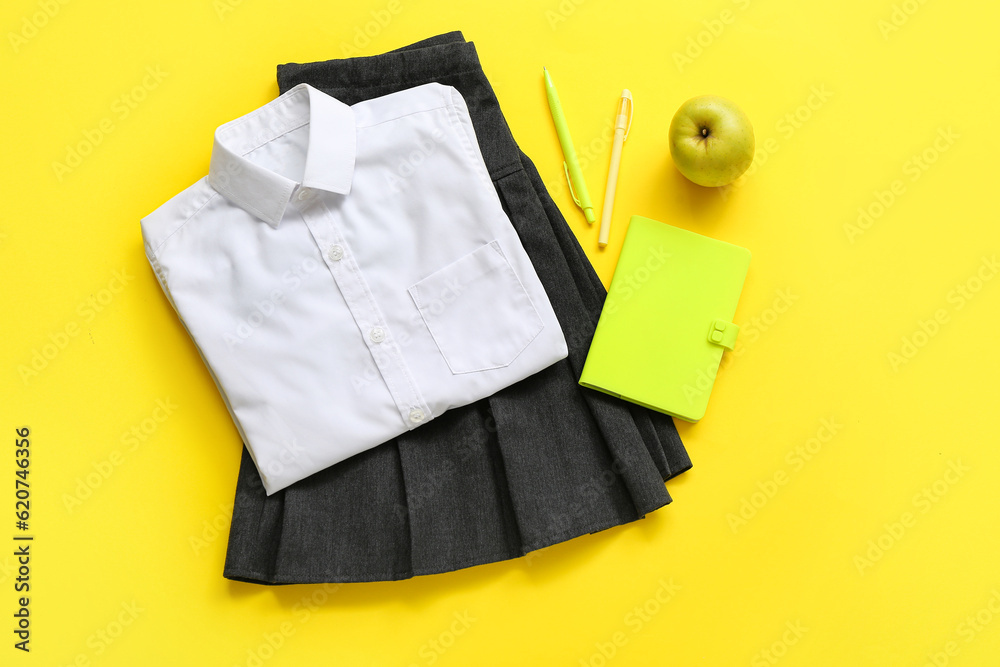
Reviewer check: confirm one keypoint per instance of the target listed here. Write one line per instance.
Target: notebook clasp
(723, 334)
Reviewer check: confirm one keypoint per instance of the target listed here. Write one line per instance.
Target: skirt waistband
(446, 59)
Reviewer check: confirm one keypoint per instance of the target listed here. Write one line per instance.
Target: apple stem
(704, 131)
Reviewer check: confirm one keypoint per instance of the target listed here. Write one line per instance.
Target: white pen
(623, 123)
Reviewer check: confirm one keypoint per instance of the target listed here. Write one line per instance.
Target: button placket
(387, 356)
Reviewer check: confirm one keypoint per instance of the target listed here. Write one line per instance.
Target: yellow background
(151, 536)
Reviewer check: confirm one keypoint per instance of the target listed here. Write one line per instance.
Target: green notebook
(668, 318)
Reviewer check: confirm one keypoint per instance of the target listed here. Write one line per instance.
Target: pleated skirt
(538, 463)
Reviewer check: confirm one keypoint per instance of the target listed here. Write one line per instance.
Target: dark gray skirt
(535, 464)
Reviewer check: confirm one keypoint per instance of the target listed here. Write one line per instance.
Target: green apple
(711, 140)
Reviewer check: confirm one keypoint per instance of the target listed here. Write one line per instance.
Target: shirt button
(416, 416)
(335, 253)
(377, 334)
(304, 194)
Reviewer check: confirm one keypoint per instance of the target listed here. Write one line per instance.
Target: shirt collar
(330, 153)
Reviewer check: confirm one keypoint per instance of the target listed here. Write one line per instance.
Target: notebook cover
(673, 290)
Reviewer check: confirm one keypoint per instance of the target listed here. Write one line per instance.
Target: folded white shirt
(348, 273)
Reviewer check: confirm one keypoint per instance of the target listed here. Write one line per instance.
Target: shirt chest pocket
(477, 311)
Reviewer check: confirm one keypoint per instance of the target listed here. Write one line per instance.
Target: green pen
(574, 176)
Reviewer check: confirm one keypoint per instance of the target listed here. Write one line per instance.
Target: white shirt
(348, 274)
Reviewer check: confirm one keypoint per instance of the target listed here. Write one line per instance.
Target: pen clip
(630, 105)
(570, 181)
